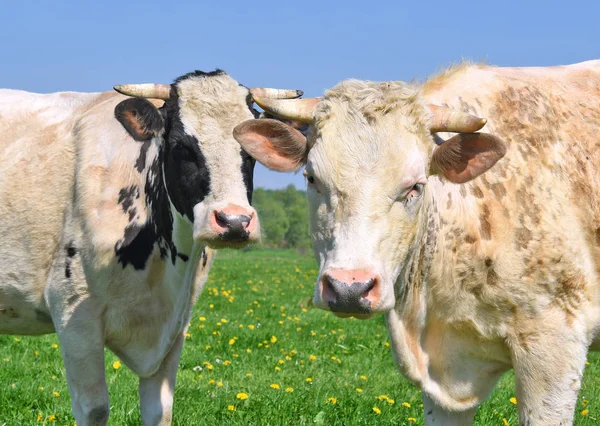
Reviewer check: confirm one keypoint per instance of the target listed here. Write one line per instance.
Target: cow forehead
(366, 129)
(212, 105)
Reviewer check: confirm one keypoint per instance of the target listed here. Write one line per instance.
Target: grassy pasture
(255, 355)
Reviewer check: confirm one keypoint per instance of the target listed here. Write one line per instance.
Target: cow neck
(174, 233)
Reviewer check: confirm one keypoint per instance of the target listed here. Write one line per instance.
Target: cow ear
(274, 144)
(140, 118)
(467, 155)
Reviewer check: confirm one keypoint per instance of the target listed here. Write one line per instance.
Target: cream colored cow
(479, 269)
(110, 209)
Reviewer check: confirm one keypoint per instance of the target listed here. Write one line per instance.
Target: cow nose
(354, 291)
(234, 223)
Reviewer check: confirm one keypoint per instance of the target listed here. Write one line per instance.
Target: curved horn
(290, 109)
(265, 92)
(445, 119)
(148, 90)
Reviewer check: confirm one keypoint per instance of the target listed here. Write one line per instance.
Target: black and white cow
(110, 207)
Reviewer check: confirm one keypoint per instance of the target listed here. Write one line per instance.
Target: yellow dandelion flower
(226, 362)
(40, 417)
(277, 368)
(231, 407)
(411, 419)
(249, 351)
(56, 394)
(274, 386)
(16, 339)
(52, 418)
(211, 306)
(363, 377)
(273, 339)
(376, 410)
(202, 319)
(308, 380)
(288, 390)
(231, 341)
(281, 361)
(359, 390)
(242, 396)
(585, 412)
(405, 404)
(585, 402)
(513, 400)
(54, 346)
(387, 344)
(332, 400)
(36, 353)
(312, 358)
(223, 320)
(250, 326)
(505, 422)
(41, 389)
(116, 365)
(211, 382)
(248, 374)
(220, 384)
(188, 335)
(391, 401)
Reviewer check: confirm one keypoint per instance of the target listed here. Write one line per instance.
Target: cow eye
(309, 178)
(415, 192)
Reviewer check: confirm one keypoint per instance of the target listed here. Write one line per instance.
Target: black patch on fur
(198, 73)
(140, 118)
(248, 164)
(138, 240)
(140, 163)
(42, 316)
(187, 177)
(183, 257)
(204, 258)
(71, 252)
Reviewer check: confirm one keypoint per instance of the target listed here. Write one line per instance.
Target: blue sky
(310, 45)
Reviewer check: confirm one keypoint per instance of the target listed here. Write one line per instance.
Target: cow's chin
(354, 315)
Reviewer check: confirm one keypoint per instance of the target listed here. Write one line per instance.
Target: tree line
(283, 217)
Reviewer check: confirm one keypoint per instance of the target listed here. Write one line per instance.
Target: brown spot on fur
(499, 190)
(598, 237)
(469, 239)
(476, 191)
(449, 203)
(488, 262)
(485, 226)
(492, 277)
(522, 237)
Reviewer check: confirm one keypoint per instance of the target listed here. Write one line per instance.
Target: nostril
(370, 286)
(245, 219)
(328, 291)
(222, 220)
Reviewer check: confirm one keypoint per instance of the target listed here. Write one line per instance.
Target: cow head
(369, 157)
(208, 177)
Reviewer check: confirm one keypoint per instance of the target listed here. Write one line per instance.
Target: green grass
(250, 331)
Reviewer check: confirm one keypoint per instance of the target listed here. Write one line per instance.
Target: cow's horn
(148, 90)
(445, 119)
(290, 109)
(265, 92)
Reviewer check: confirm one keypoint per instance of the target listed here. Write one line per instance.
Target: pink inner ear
(274, 144)
(466, 156)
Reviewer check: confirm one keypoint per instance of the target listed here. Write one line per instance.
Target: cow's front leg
(156, 391)
(549, 364)
(82, 343)
(438, 416)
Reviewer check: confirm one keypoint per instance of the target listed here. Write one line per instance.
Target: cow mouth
(360, 316)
